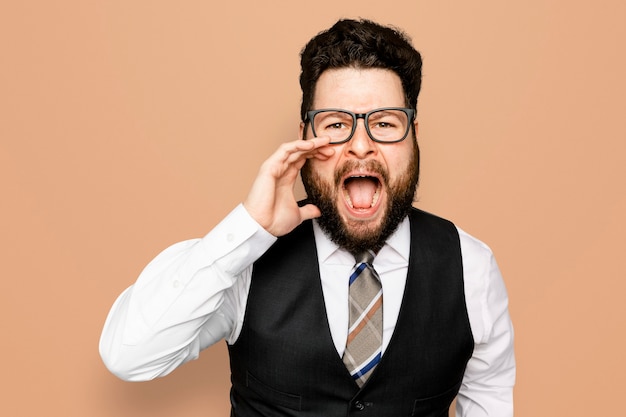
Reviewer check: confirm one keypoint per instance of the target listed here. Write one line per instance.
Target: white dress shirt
(194, 294)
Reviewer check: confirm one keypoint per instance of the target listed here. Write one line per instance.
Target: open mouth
(361, 192)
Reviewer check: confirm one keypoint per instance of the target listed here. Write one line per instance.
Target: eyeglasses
(385, 125)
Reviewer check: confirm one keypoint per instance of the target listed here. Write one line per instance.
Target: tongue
(361, 192)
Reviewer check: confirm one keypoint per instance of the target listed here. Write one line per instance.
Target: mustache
(369, 166)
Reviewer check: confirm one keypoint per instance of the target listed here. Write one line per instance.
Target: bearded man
(351, 302)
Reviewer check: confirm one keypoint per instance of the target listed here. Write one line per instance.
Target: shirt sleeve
(186, 299)
(487, 388)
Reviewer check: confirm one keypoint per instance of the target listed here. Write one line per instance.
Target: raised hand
(271, 201)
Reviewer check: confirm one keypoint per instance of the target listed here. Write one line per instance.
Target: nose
(361, 145)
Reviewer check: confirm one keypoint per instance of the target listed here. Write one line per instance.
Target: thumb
(309, 211)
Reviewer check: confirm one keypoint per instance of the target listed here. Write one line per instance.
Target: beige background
(126, 126)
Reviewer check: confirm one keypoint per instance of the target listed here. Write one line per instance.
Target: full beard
(358, 235)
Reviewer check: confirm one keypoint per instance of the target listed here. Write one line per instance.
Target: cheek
(398, 161)
(326, 169)
(324, 175)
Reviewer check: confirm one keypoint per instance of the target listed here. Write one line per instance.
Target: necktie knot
(365, 256)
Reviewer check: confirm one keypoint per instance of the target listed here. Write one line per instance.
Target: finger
(312, 144)
(294, 150)
(309, 148)
(294, 154)
(295, 157)
(326, 152)
(320, 141)
(309, 211)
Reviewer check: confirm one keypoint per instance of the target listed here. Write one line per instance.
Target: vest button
(358, 405)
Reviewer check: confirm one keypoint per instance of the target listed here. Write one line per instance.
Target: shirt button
(230, 237)
(358, 405)
(176, 284)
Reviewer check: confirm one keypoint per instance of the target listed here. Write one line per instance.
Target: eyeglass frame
(410, 113)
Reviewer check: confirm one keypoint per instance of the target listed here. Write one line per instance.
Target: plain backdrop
(126, 126)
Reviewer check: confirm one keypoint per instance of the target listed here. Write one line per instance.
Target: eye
(386, 120)
(332, 121)
(336, 125)
(384, 123)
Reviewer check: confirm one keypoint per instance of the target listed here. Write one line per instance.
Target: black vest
(285, 363)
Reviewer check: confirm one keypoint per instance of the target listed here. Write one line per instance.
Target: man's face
(367, 187)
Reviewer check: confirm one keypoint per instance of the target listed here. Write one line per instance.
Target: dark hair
(360, 44)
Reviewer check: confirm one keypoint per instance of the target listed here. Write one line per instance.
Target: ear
(415, 125)
(301, 132)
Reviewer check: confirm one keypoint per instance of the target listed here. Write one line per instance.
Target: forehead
(358, 89)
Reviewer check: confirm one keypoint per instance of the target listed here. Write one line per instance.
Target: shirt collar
(396, 247)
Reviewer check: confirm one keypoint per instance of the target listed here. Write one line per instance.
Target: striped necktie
(364, 344)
